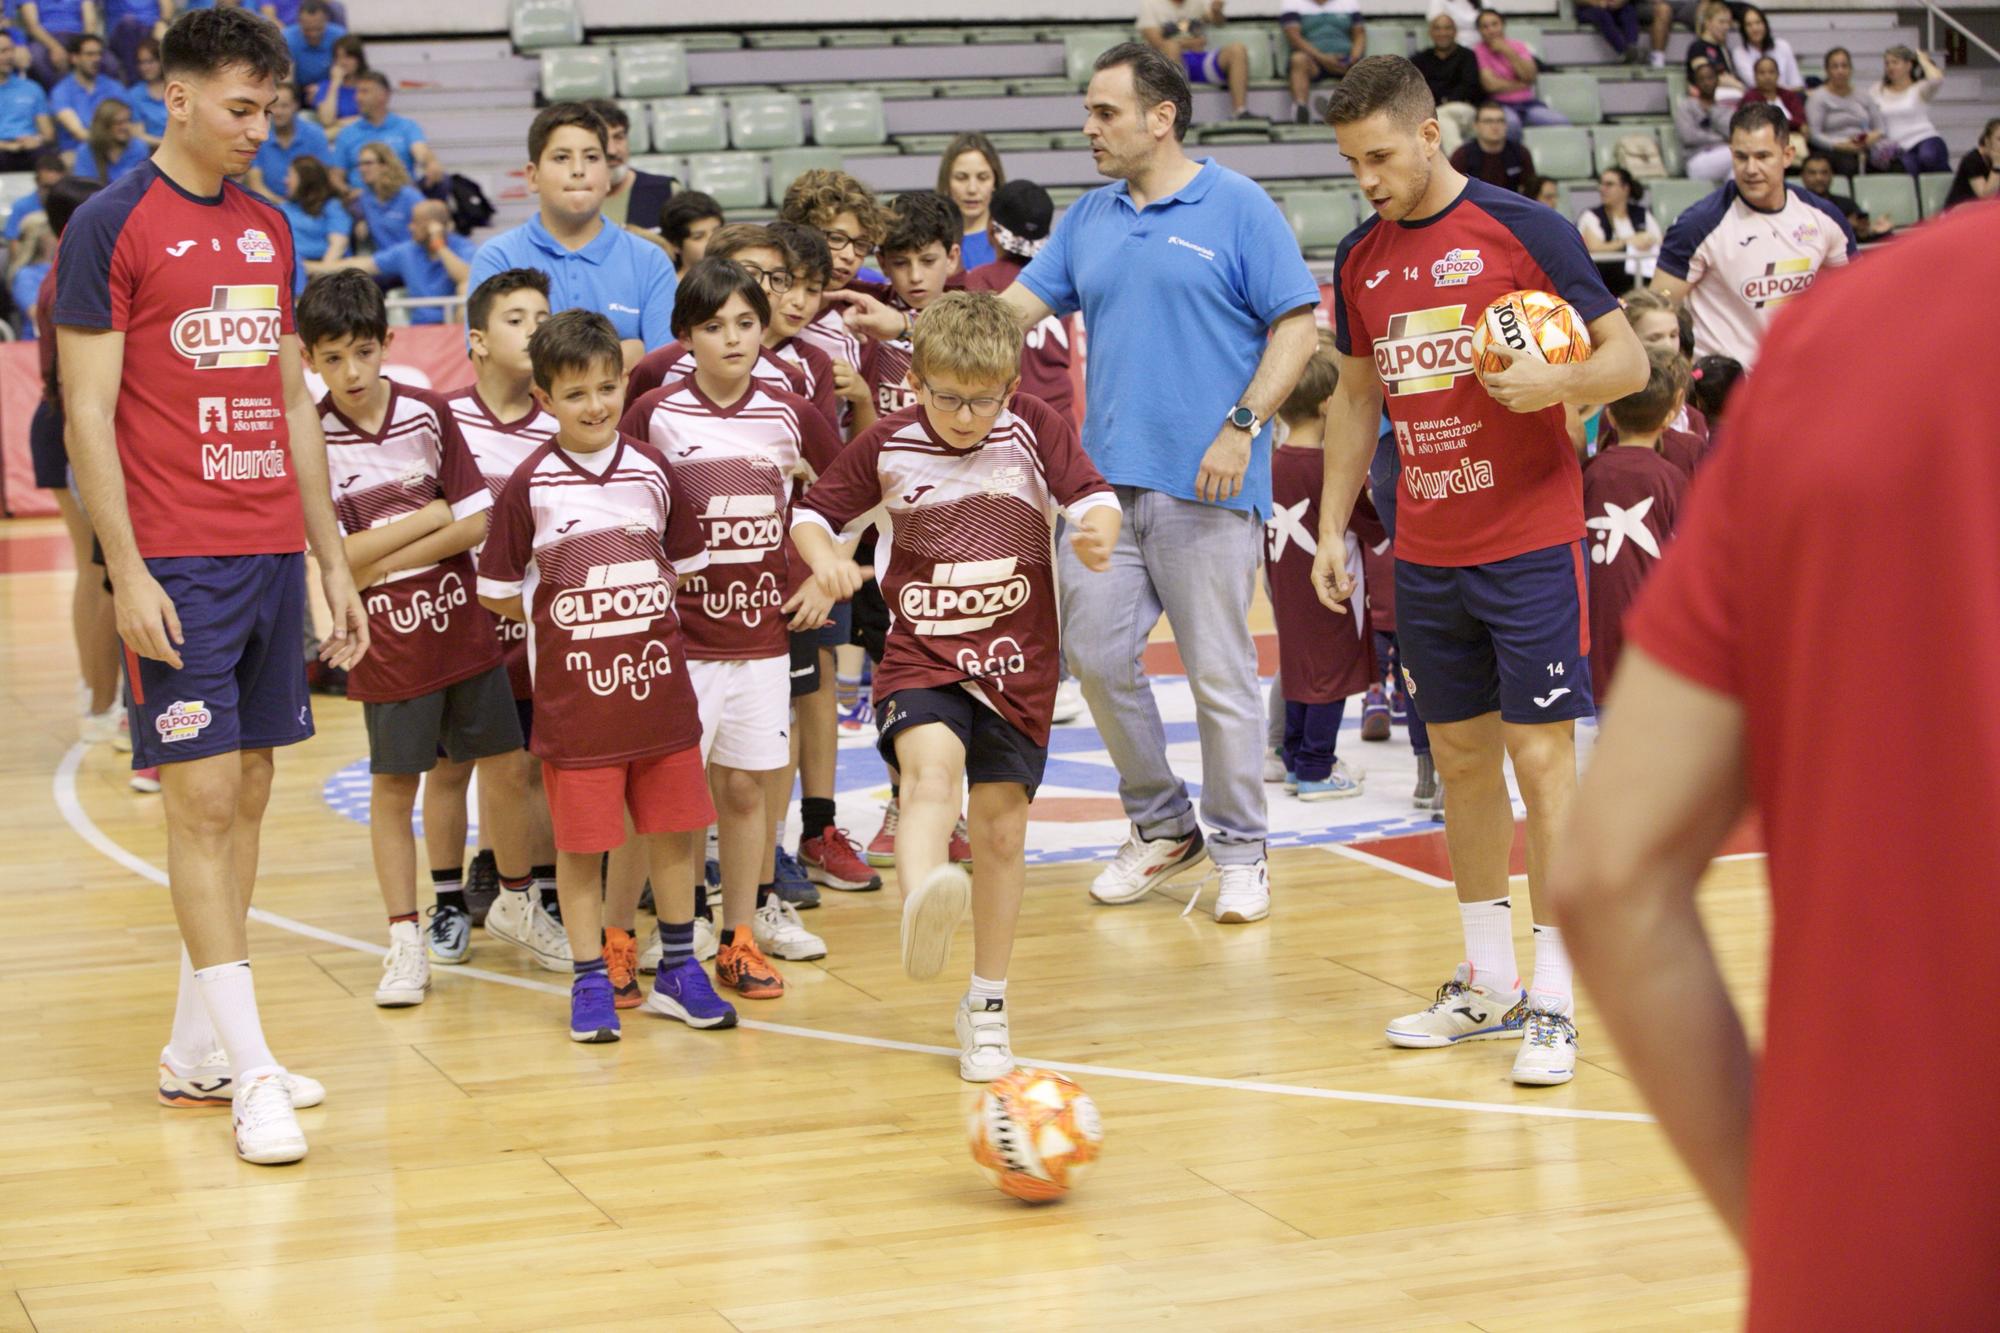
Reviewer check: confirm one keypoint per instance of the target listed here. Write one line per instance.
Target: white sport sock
(232, 1007)
(1552, 975)
(1489, 944)
(982, 990)
(193, 1035)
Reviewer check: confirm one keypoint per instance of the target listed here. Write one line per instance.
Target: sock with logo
(232, 1008)
(676, 943)
(1553, 990)
(449, 886)
(1489, 944)
(986, 994)
(193, 1035)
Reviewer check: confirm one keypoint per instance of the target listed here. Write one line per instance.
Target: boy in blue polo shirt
(592, 265)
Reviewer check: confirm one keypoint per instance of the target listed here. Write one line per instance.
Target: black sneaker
(1302, 114)
(482, 886)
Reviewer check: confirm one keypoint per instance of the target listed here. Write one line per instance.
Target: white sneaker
(406, 970)
(706, 942)
(121, 734)
(1462, 1011)
(1274, 767)
(102, 728)
(267, 1130)
(1143, 864)
(1069, 702)
(518, 917)
(211, 1082)
(1548, 1047)
(931, 913)
(649, 952)
(778, 932)
(983, 1052)
(707, 939)
(1245, 894)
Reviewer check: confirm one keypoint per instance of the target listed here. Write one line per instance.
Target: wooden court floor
(474, 1168)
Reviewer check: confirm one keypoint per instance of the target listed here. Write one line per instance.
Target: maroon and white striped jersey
(734, 466)
(426, 628)
(969, 583)
(828, 331)
(817, 367)
(592, 544)
(886, 368)
(499, 448)
(675, 361)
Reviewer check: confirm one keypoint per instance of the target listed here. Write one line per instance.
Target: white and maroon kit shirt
(969, 583)
(498, 449)
(592, 544)
(426, 626)
(735, 466)
(786, 374)
(817, 367)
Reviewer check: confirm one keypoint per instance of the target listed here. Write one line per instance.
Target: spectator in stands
(969, 172)
(1507, 71)
(1702, 123)
(1491, 155)
(1178, 30)
(385, 198)
(1751, 41)
(1713, 28)
(1452, 72)
(1816, 175)
(686, 222)
(1325, 38)
(1910, 79)
(1767, 89)
(49, 168)
(1617, 22)
(592, 265)
(128, 23)
(379, 125)
(26, 127)
(1544, 190)
(311, 42)
(1666, 13)
(38, 250)
(1841, 120)
(636, 195)
(1619, 228)
(435, 261)
(1464, 14)
(335, 101)
(1021, 219)
(113, 148)
(86, 87)
(147, 95)
(292, 137)
(1979, 170)
(322, 228)
(52, 28)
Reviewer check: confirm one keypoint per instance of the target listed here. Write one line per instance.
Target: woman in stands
(1842, 121)
(386, 196)
(334, 99)
(1713, 30)
(1617, 227)
(1978, 171)
(968, 174)
(148, 94)
(1910, 79)
(1791, 101)
(1753, 42)
(114, 146)
(322, 228)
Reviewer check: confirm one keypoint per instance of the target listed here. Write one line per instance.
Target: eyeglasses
(776, 281)
(840, 240)
(950, 403)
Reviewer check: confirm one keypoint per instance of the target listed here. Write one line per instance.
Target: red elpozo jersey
(201, 287)
(1479, 483)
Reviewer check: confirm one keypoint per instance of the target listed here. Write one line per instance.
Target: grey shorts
(474, 719)
(1684, 11)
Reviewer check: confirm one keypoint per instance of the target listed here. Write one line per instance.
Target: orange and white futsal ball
(1034, 1134)
(1534, 324)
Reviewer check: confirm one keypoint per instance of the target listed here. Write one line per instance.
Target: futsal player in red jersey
(1812, 560)
(198, 452)
(1491, 620)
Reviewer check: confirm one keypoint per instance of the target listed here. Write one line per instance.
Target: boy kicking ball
(588, 542)
(967, 683)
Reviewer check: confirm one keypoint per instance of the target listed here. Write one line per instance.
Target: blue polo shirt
(1178, 298)
(312, 231)
(148, 110)
(69, 95)
(274, 159)
(21, 100)
(117, 11)
(57, 16)
(24, 208)
(134, 156)
(422, 275)
(388, 223)
(629, 281)
(311, 64)
(399, 132)
(27, 284)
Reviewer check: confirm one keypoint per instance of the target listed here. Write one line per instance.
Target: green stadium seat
(651, 69)
(1664, 138)
(783, 39)
(1890, 194)
(788, 164)
(1302, 133)
(575, 73)
(661, 164)
(1062, 196)
(1256, 42)
(736, 180)
(1395, 39)
(1668, 199)
(1932, 187)
(858, 37)
(639, 135)
(923, 145)
(1231, 132)
(710, 41)
(1560, 151)
(1529, 34)
(766, 120)
(689, 125)
(1040, 87)
(535, 24)
(1320, 219)
(1575, 95)
(850, 119)
(972, 88)
(928, 36)
(1081, 50)
(903, 89)
(1069, 140)
(999, 36)
(1021, 141)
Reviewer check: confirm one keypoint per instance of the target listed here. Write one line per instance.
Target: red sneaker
(961, 843)
(882, 847)
(830, 860)
(146, 780)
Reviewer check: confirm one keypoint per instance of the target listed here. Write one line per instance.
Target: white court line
(86, 828)
(1384, 863)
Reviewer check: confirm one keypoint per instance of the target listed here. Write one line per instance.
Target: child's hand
(1096, 533)
(809, 608)
(848, 384)
(838, 579)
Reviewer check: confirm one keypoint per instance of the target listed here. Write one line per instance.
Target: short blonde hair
(971, 336)
(391, 179)
(819, 196)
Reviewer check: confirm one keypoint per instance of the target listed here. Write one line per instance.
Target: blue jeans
(1536, 112)
(1196, 563)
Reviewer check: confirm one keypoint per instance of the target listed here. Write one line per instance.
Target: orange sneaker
(743, 968)
(621, 961)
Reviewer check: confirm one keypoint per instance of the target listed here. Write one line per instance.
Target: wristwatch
(1243, 418)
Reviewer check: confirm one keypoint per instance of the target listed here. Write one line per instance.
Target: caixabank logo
(238, 327)
(1424, 350)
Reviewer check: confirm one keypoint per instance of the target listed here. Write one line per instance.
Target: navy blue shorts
(838, 631)
(1513, 635)
(242, 682)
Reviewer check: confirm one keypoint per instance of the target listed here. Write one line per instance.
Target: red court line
(1426, 851)
(33, 552)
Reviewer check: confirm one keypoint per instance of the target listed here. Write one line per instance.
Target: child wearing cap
(1019, 222)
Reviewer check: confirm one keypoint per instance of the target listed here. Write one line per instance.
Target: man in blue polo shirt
(592, 264)
(311, 42)
(51, 27)
(292, 137)
(378, 124)
(435, 261)
(25, 124)
(76, 97)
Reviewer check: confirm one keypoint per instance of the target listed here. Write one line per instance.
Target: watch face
(1242, 418)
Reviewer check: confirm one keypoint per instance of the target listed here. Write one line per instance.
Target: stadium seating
(574, 73)
(538, 23)
(1932, 187)
(1081, 50)
(736, 180)
(639, 134)
(1891, 194)
(651, 69)
(1668, 198)
(1575, 95)
(1320, 219)
(1562, 152)
(689, 125)
(848, 119)
(788, 164)
(766, 120)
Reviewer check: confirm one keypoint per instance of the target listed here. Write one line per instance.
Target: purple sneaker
(593, 1010)
(1375, 715)
(683, 991)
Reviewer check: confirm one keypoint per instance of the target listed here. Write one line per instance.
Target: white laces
(264, 1102)
(405, 961)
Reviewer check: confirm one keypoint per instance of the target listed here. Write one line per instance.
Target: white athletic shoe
(1144, 864)
(518, 917)
(778, 932)
(649, 952)
(1245, 894)
(983, 1052)
(1548, 1048)
(1069, 702)
(931, 913)
(1274, 767)
(103, 729)
(213, 1083)
(406, 970)
(267, 1130)
(706, 942)
(1462, 1011)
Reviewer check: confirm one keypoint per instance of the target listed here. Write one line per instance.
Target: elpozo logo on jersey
(1781, 280)
(256, 247)
(1424, 350)
(1457, 268)
(238, 327)
(963, 596)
